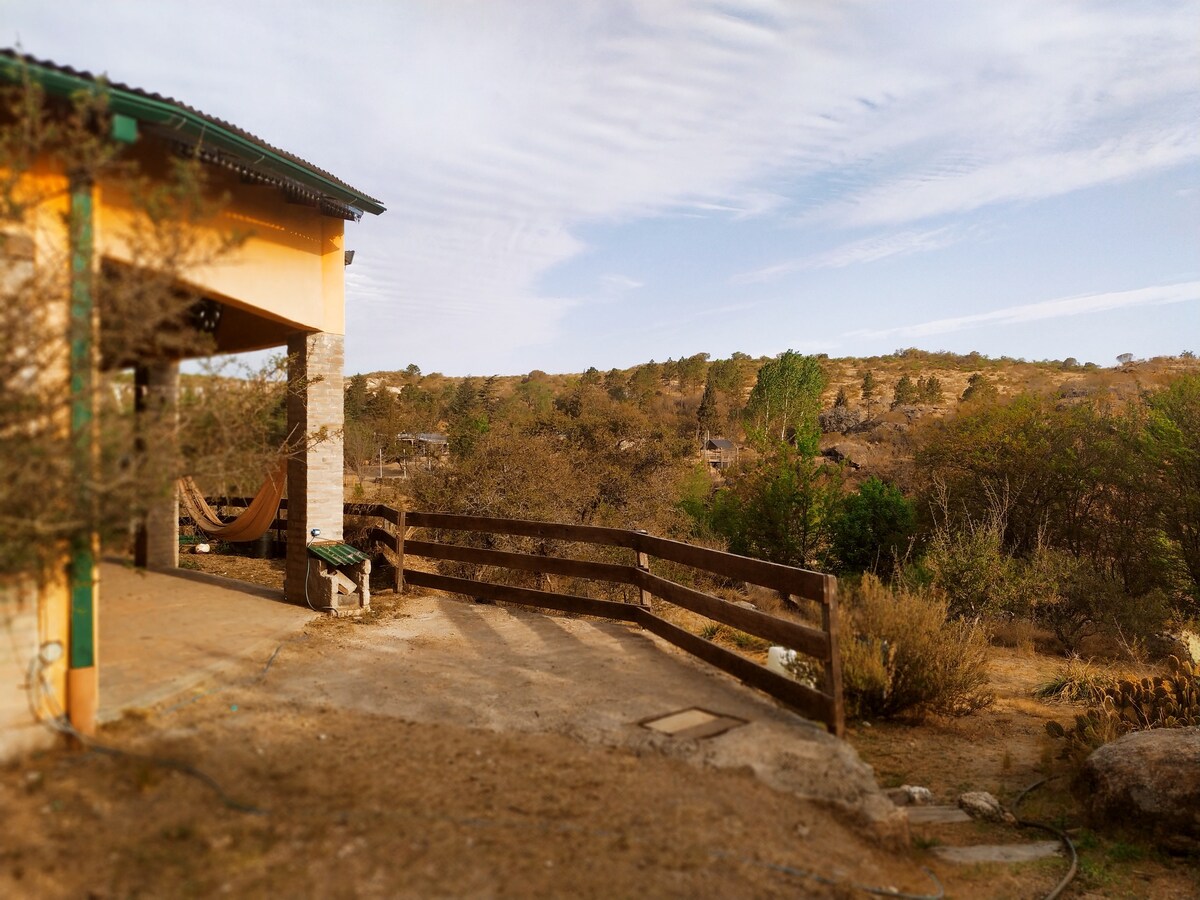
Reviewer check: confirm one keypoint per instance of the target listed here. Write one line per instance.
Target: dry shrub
(1077, 681)
(903, 656)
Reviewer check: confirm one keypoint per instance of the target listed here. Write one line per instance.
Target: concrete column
(157, 398)
(315, 418)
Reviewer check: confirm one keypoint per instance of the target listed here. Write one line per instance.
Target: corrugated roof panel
(300, 169)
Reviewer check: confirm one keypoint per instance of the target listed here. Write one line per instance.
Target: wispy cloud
(867, 250)
(620, 282)
(498, 132)
(1062, 307)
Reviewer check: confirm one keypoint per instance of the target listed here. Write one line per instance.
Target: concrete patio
(164, 635)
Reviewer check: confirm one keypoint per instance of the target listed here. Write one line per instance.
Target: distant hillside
(670, 394)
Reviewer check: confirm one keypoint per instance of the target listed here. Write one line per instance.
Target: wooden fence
(821, 644)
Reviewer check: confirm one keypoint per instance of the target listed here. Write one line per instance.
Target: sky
(604, 183)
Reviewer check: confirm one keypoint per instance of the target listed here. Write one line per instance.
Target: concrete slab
(165, 634)
(936, 815)
(506, 669)
(999, 853)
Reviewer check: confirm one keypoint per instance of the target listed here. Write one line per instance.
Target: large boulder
(1149, 780)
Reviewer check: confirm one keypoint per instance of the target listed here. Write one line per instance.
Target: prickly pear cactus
(1168, 701)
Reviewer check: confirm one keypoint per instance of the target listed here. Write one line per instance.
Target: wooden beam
(606, 609)
(812, 703)
(793, 635)
(526, 562)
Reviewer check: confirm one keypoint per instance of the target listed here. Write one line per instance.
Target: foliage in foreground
(903, 656)
(1169, 701)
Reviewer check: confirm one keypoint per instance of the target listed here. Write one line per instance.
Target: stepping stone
(999, 853)
(936, 815)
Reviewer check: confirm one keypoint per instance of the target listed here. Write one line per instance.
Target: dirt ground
(1003, 750)
(311, 797)
(352, 795)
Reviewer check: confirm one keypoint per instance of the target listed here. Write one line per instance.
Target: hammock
(254, 520)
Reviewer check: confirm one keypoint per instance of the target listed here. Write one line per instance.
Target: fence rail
(821, 644)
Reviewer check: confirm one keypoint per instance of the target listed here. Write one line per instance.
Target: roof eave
(188, 123)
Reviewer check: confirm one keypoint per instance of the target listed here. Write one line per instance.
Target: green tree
(872, 528)
(929, 390)
(691, 371)
(356, 397)
(785, 401)
(643, 384)
(781, 509)
(868, 390)
(904, 393)
(980, 389)
(468, 417)
(1173, 445)
(707, 415)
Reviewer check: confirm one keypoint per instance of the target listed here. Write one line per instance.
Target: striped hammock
(254, 520)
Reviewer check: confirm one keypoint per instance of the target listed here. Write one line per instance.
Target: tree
(905, 392)
(929, 390)
(643, 384)
(691, 371)
(468, 417)
(872, 528)
(706, 415)
(781, 509)
(979, 389)
(785, 401)
(1125, 358)
(356, 396)
(868, 390)
(841, 401)
(1173, 442)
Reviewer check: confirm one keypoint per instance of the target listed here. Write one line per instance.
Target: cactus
(1168, 701)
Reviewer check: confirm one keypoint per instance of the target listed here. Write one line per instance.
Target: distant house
(720, 453)
(425, 443)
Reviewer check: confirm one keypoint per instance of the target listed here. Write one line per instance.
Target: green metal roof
(338, 554)
(222, 142)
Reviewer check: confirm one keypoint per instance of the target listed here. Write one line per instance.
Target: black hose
(1061, 835)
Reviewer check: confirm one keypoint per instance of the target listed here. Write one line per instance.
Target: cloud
(620, 282)
(497, 132)
(867, 250)
(1063, 307)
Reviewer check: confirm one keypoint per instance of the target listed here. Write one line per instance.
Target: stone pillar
(315, 418)
(157, 399)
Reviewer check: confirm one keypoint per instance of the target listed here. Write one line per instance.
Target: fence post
(643, 564)
(400, 553)
(833, 665)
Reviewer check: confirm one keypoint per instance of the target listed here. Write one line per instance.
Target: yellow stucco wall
(289, 268)
(287, 275)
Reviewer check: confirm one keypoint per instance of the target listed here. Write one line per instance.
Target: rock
(982, 805)
(1148, 780)
(911, 795)
(840, 418)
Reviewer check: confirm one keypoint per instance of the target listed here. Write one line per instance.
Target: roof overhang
(214, 140)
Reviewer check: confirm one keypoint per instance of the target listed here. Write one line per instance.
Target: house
(282, 286)
(425, 443)
(720, 453)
